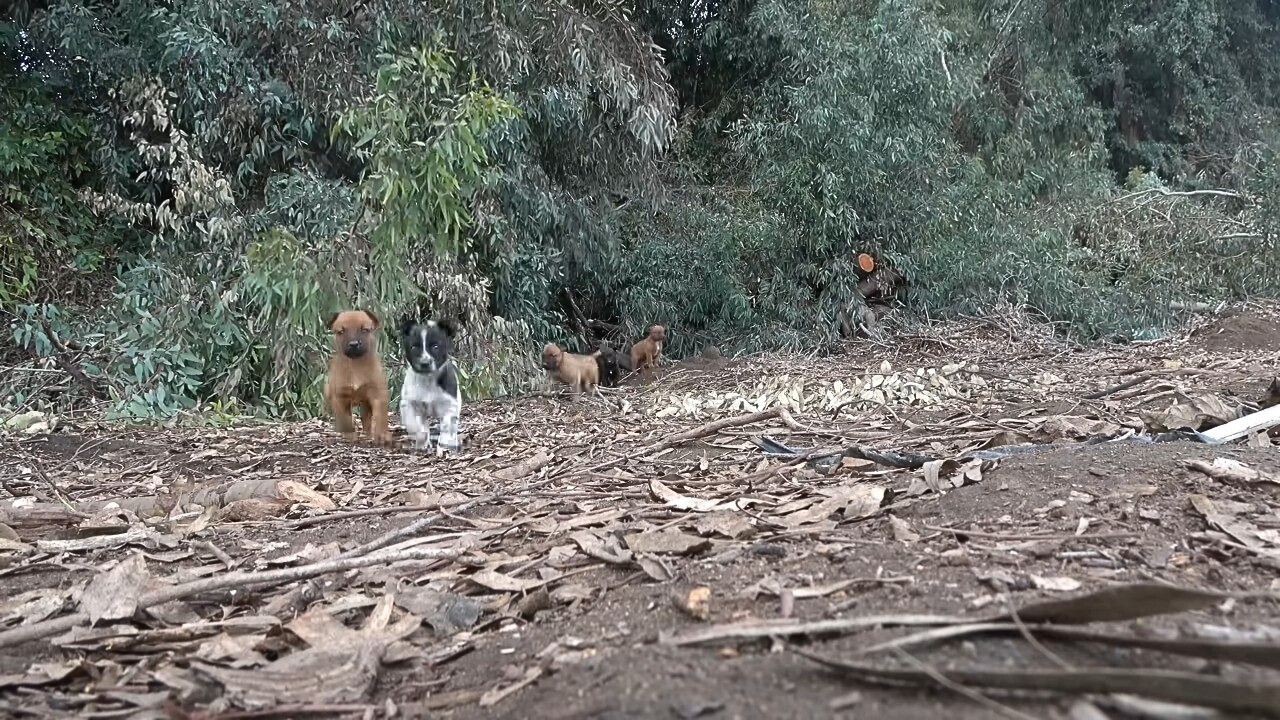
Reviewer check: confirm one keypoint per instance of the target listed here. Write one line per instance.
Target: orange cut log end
(866, 263)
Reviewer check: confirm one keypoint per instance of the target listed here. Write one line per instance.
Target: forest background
(188, 187)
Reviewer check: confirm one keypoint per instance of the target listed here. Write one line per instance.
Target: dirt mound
(1241, 333)
(709, 361)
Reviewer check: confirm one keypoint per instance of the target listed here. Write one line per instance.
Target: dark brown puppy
(613, 365)
(646, 353)
(580, 372)
(356, 378)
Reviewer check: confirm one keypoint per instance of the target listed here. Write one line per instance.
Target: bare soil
(564, 631)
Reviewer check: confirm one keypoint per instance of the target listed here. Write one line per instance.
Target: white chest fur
(422, 400)
(423, 391)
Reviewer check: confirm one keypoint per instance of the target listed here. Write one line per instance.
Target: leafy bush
(197, 184)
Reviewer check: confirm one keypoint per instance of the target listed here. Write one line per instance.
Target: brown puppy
(580, 372)
(356, 378)
(646, 353)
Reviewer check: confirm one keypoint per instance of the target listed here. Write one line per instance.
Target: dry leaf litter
(936, 511)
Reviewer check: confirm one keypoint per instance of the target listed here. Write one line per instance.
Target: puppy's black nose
(353, 345)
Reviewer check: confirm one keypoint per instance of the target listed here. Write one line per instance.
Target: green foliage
(190, 186)
(423, 153)
(46, 235)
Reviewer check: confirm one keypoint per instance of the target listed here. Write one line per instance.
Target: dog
(579, 372)
(646, 352)
(356, 378)
(613, 365)
(430, 390)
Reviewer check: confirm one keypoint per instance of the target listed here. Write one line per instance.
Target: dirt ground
(664, 551)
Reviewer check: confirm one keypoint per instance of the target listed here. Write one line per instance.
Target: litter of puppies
(430, 394)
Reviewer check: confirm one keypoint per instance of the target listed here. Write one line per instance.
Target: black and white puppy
(430, 390)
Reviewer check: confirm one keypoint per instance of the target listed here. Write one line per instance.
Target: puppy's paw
(448, 442)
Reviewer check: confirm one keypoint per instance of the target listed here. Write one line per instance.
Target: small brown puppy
(356, 378)
(646, 353)
(580, 372)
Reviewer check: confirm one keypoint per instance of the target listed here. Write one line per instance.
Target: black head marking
(406, 324)
(426, 346)
(447, 327)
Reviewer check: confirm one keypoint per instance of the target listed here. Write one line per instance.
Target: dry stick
(38, 469)
(60, 354)
(348, 514)
(956, 687)
(1031, 536)
(1140, 378)
(36, 631)
(717, 425)
(286, 711)
(1165, 685)
(1031, 639)
(695, 433)
(418, 525)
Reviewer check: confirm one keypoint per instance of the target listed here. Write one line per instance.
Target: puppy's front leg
(414, 426)
(377, 423)
(342, 420)
(449, 442)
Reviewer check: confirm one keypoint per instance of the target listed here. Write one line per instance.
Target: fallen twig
(1121, 602)
(1252, 653)
(419, 525)
(1167, 685)
(38, 630)
(716, 426)
(61, 356)
(1030, 536)
(959, 689)
(784, 627)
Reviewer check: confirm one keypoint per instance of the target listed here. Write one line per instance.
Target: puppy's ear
(447, 327)
(406, 324)
(330, 319)
(376, 322)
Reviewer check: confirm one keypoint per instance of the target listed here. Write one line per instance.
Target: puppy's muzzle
(354, 349)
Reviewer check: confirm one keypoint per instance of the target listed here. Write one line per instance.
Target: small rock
(25, 421)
